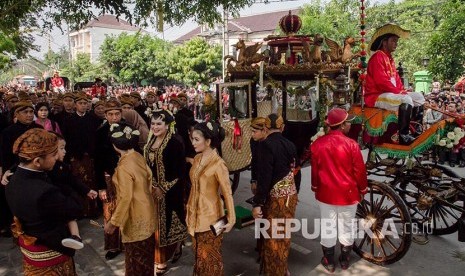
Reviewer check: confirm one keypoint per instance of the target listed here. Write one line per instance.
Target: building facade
(89, 39)
(251, 29)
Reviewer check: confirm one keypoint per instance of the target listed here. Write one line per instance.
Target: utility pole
(70, 56)
(225, 39)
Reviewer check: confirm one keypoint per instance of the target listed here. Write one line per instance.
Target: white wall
(90, 39)
(98, 35)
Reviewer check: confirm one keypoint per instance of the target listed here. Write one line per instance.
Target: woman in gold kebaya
(209, 176)
(134, 213)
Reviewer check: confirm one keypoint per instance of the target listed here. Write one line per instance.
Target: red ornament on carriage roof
(290, 24)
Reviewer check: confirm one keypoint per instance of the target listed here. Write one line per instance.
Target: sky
(59, 39)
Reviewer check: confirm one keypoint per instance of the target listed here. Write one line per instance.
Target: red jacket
(381, 67)
(98, 91)
(339, 175)
(57, 82)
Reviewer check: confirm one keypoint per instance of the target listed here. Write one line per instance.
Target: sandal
(161, 270)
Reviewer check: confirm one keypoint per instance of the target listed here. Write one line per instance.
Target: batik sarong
(39, 260)
(166, 243)
(83, 169)
(281, 204)
(111, 241)
(139, 257)
(207, 252)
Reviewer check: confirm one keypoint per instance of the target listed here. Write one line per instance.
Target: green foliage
(194, 61)
(57, 60)
(7, 47)
(335, 19)
(135, 57)
(19, 17)
(446, 48)
(81, 70)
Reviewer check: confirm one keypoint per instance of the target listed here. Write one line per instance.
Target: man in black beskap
(24, 113)
(106, 160)
(79, 132)
(68, 110)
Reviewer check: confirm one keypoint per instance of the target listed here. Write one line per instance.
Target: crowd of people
(445, 104)
(147, 161)
(143, 161)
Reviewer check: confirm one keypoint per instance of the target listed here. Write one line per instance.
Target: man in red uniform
(384, 88)
(98, 90)
(58, 85)
(339, 180)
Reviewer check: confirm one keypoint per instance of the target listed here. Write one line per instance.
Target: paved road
(435, 258)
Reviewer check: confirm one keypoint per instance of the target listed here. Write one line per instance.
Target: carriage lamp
(425, 62)
(341, 93)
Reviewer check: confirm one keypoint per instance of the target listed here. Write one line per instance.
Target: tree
(135, 57)
(18, 17)
(195, 61)
(446, 47)
(57, 60)
(7, 48)
(82, 69)
(336, 19)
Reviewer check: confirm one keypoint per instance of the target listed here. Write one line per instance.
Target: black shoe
(328, 259)
(6, 233)
(451, 164)
(344, 258)
(462, 164)
(112, 254)
(330, 267)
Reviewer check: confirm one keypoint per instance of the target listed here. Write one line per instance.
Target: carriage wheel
(441, 217)
(382, 209)
(234, 179)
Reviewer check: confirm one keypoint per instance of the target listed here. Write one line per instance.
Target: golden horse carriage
(297, 79)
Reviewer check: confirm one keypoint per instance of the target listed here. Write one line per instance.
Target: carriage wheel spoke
(446, 209)
(387, 211)
(388, 240)
(372, 247)
(378, 206)
(380, 245)
(363, 240)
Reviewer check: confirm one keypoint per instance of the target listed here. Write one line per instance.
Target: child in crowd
(61, 177)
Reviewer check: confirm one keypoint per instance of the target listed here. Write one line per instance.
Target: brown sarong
(139, 257)
(207, 252)
(83, 169)
(281, 204)
(111, 241)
